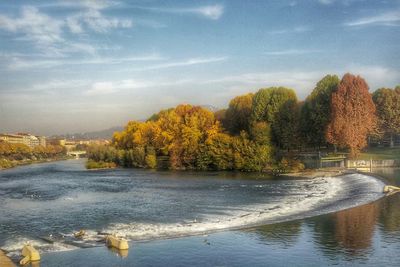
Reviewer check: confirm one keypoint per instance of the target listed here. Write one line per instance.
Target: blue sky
(75, 66)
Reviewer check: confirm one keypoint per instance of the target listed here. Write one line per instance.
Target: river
(183, 218)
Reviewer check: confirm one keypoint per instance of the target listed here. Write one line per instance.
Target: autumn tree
(387, 102)
(352, 114)
(237, 117)
(316, 111)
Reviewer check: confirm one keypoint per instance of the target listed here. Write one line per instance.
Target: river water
(49, 202)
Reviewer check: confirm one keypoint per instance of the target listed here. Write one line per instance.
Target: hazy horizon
(82, 66)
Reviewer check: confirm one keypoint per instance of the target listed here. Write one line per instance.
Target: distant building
(42, 140)
(29, 140)
(24, 138)
(12, 138)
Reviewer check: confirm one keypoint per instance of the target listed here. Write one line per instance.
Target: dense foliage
(11, 154)
(261, 131)
(238, 113)
(187, 137)
(316, 111)
(353, 114)
(387, 103)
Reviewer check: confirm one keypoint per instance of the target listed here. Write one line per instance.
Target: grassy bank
(381, 153)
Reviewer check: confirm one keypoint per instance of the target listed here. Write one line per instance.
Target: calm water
(60, 198)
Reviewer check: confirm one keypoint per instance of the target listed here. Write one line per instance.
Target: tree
(267, 103)
(387, 102)
(237, 117)
(260, 132)
(352, 114)
(286, 126)
(316, 111)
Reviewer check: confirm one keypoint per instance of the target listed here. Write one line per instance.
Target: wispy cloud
(188, 62)
(110, 87)
(47, 32)
(297, 29)
(290, 52)
(326, 2)
(213, 12)
(19, 63)
(391, 18)
(95, 20)
(34, 26)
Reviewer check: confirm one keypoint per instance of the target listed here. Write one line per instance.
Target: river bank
(18, 163)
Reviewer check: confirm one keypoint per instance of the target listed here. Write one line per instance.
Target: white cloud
(95, 20)
(109, 87)
(304, 81)
(376, 76)
(46, 32)
(18, 63)
(290, 52)
(92, 4)
(34, 26)
(297, 29)
(388, 19)
(326, 2)
(213, 12)
(188, 62)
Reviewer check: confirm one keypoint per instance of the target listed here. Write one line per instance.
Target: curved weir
(46, 204)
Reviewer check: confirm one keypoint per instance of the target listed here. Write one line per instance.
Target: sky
(79, 66)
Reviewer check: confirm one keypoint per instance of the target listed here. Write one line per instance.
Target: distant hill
(103, 134)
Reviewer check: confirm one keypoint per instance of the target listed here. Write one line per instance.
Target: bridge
(77, 154)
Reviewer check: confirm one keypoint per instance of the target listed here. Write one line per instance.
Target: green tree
(267, 103)
(387, 102)
(316, 111)
(260, 132)
(286, 126)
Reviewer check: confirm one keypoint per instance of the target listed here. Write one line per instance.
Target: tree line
(11, 154)
(252, 132)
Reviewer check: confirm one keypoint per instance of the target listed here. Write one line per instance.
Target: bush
(4, 164)
(91, 164)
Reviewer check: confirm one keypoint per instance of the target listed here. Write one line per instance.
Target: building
(24, 138)
(12, 138)
(29, 140)
(42, 140)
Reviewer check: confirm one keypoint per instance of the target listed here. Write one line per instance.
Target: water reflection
(390, 214)
(354, 228)
(283, 234)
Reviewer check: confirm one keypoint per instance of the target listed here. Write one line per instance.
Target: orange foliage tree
(352, 115)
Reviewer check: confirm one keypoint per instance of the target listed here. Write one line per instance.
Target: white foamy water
(300, 204)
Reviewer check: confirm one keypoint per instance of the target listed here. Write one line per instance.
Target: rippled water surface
(60, 198)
